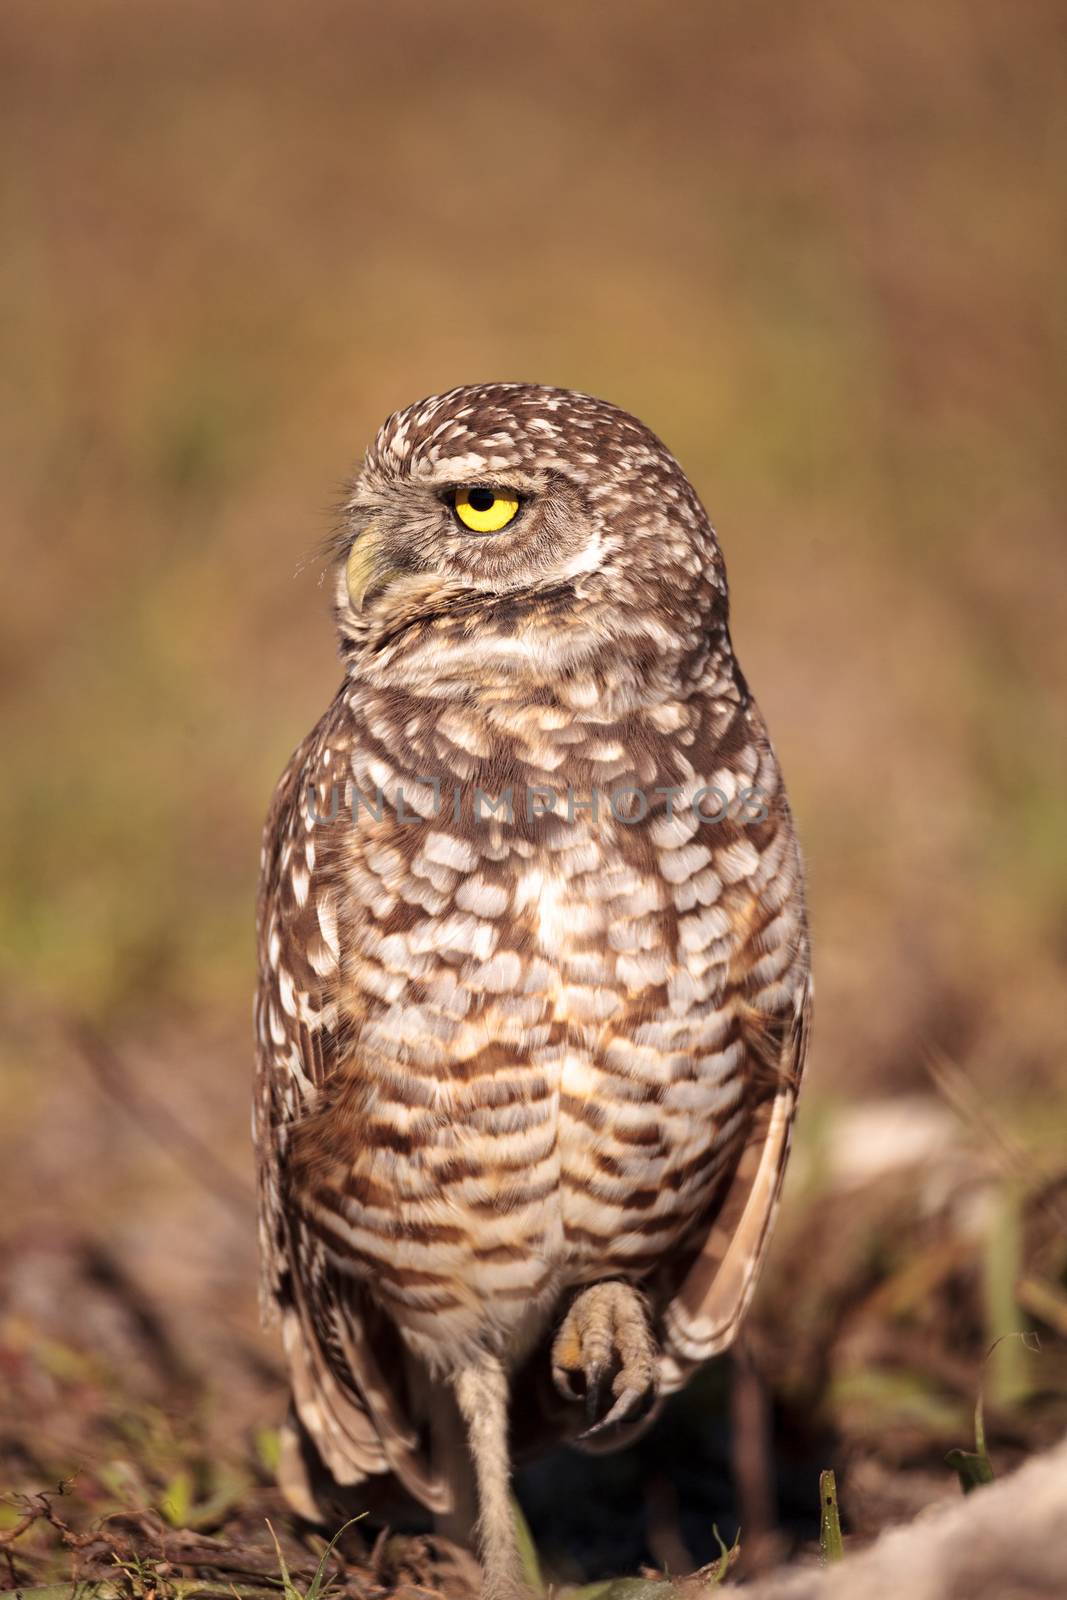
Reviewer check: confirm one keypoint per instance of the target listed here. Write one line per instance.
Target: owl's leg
(482, 1393)
(605, 1335)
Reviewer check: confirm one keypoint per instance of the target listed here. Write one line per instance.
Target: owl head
(534, 517)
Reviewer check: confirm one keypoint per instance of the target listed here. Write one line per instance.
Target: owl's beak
(367, 572)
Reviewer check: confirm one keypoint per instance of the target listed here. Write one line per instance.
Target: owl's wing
(348, 1379)
(706, 1313)
(769, 989)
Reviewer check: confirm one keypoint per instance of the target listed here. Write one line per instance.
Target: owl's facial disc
(378, 559)
(430, 543)
(368, 571)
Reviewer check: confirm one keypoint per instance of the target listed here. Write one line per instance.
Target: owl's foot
(605, 1340)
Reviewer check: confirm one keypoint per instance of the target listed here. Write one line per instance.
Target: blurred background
(819, 249)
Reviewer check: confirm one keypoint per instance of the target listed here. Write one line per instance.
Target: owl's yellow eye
(484, 510)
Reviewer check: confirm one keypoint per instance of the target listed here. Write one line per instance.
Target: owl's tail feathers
(346, 1401)
(482, 1394)
(309, 1489)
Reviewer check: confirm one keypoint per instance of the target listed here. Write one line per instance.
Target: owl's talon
(605, 1339)
(594, 1395)
(619, 1412)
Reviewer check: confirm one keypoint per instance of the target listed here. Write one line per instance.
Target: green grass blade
(289, 1588)
(971, 1468)
(727, 1553)
(320, 1583)
(319, 1586)
(831, 1545)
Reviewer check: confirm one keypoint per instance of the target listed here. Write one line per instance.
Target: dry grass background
(818, 248)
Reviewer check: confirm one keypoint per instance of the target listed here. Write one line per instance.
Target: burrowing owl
(534, 962)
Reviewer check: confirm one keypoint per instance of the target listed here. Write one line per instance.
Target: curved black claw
(595, 1379)
(627, 1408)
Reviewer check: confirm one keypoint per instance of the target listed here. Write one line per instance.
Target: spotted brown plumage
(533, 950)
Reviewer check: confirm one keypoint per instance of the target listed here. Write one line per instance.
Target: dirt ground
(140, 1401)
